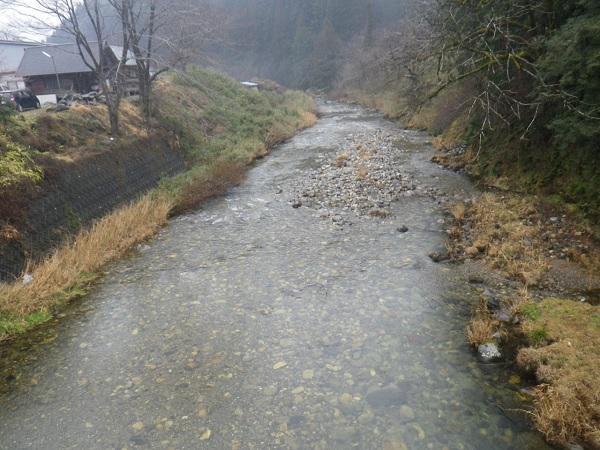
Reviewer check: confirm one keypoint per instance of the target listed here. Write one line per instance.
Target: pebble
(308, 374)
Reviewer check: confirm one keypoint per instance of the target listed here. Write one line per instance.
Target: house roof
(11, 53)
(65, 57)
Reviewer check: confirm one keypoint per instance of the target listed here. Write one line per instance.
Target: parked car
(21, 99)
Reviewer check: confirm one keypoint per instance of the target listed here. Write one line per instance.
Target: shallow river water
(253, 325)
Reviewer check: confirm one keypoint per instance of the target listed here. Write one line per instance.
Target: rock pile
(364, 178)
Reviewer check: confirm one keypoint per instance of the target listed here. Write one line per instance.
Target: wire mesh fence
(78, 194)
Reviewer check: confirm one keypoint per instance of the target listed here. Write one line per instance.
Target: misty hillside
(299, 44)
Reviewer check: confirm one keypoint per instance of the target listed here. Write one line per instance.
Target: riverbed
(265, 322)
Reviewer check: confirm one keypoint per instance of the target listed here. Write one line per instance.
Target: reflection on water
(253, 325)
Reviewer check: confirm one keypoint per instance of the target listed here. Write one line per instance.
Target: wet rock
(344, 434)
(308, 374)
(440, 256)
(503, 315)
(394, 444)
(296, 422)
(407, 413)
(366, 417)
(296, 204)
(348, 404)
(489, 352)
(137, 426)
(402, 229)
(386, 397)
(139, 440)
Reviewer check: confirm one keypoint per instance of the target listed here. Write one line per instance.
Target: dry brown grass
(387, 102)
(565, 356)
(362, 173)
(280, 132)
(89, 251)
(307, 119)
(458, 211)
(507, 231)
(341, 160)
(214, 181)
(453, 135)
(380, 213)
(482, 326)
(364, 153)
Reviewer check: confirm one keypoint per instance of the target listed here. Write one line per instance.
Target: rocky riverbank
(363, 179)
(538, 270)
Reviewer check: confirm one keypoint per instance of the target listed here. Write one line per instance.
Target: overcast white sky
(13, 24)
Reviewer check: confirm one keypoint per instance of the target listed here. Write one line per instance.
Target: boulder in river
(440, 256)
(489, 352)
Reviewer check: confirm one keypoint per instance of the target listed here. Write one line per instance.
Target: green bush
(16, 164)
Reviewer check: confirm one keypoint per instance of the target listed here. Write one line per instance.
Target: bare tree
(156, 44)
(70, 16)
(498, 44)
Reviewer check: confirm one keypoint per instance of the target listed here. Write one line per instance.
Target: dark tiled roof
(66, 57)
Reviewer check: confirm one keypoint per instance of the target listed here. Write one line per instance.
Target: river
(251, 324)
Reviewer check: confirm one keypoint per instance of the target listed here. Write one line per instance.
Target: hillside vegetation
(515, 81)
(220, 127)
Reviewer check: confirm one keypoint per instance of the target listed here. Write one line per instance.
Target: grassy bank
(545, 264)
(221, 128)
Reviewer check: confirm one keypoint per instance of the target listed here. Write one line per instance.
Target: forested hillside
(517, 81)
(301, 44)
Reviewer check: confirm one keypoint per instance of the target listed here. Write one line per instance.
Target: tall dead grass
(213, 181)
(507, 230)
(108, 239)
(567, 362)
(482, 326)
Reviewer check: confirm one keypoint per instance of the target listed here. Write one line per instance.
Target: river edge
(557, 266)
(536, 265)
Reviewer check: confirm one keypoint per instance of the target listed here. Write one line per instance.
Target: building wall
(48, 84)
(10, 82)
(10, 57)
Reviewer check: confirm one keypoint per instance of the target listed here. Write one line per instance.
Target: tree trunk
(113, 101)
(145, 92)
(113, 115)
